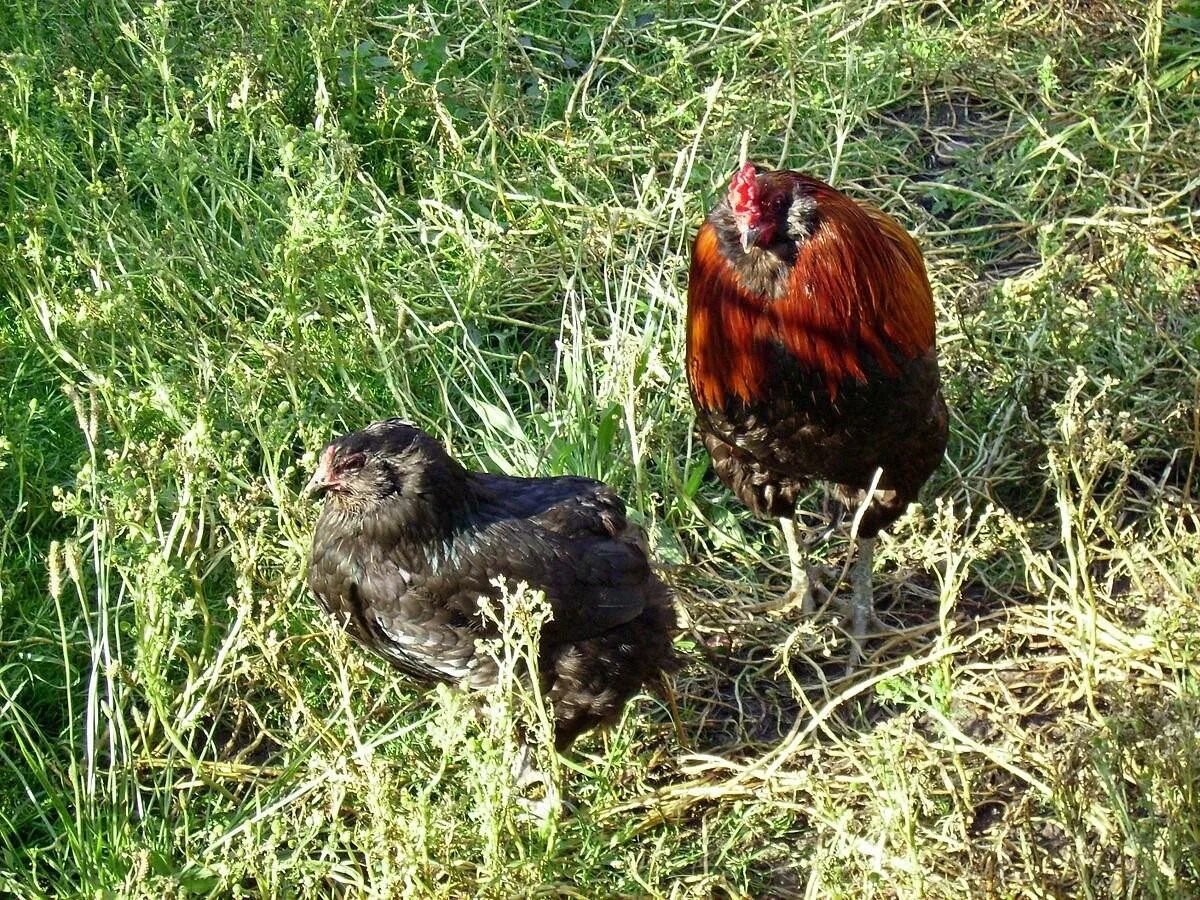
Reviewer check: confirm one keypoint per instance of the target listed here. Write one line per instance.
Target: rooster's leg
(801, 587)
(862, 604)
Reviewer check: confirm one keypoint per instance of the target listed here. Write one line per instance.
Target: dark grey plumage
(409, 540)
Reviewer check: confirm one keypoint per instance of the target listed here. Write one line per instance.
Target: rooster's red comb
(743, 189)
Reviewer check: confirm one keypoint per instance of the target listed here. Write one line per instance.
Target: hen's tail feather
(588, 682)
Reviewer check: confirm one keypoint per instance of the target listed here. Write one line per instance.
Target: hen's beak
(316, 485)
(750, 236)
(320, 481)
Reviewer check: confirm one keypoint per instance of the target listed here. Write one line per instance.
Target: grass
(226, 235)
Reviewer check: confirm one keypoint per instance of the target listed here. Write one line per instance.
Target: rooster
(810, 356)
(409, 541)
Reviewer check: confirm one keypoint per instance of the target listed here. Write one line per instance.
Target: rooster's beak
(750, 235)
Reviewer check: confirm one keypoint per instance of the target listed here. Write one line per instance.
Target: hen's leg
(664, 687)
(525, 774)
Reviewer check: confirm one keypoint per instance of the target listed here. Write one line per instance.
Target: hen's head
(390, 460)
(766, 210)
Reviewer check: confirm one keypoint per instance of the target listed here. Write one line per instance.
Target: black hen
(409, 540)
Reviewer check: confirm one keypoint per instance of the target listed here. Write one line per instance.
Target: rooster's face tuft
(765, 211)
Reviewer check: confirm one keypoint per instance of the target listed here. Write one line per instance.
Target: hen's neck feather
(432, 515)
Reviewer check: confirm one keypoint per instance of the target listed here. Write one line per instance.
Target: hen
(810, 355)
(409, 541)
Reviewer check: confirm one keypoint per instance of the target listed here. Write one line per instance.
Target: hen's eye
(351, 463)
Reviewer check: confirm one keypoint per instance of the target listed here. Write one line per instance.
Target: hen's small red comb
(743, 190)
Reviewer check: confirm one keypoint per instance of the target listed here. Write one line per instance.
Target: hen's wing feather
(591, 584)
(567, 537)
(569, 506)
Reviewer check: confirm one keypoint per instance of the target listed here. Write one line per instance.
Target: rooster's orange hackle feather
(858, 285)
